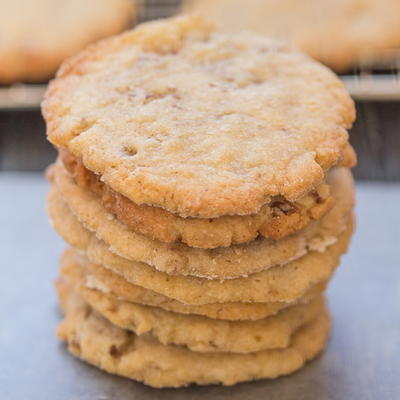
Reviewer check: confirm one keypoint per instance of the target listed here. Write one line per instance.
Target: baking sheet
(362, 360)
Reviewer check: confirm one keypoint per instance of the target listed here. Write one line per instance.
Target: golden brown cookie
(74, 269)
(339, 33)
(37, 35)
(93, 339)
(202, 334)
(176, 115)
(280, 283)
(223, 263)
(276, 220)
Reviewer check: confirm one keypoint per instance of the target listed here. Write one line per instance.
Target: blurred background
(375, 86)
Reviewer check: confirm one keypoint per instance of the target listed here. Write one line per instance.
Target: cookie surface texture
(95, 340)
(222, 263)
(251, 119)
(74, 271)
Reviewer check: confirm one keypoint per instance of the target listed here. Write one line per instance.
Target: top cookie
(339, 33)
(37, 35)
(177, 115)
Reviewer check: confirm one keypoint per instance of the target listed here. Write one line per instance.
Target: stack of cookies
(203, 185)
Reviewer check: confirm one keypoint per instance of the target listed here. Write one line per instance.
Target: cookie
(276, 220)
(93, 339)
(277, 284)
(202, 334)
(280, 283)
(37, 35)
(339, 33)
(176, 115)
(73, 270)
(223, 263)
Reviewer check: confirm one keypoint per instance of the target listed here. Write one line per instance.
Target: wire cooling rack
(376, 79)
(372, 80)
(153, 9)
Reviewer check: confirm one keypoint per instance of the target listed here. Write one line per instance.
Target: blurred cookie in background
(37, 35)
(342, 34)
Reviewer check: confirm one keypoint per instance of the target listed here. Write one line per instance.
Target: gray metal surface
(361, 362)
